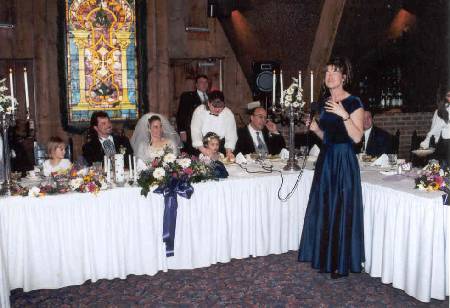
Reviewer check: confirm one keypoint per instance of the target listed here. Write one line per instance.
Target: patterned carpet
(272, 281)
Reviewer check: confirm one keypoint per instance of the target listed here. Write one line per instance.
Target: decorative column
(123, 38)
(81, 39)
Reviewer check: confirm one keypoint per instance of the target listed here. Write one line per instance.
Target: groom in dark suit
(375, 141)
(259, 135)
(102, 142)
(188, 102)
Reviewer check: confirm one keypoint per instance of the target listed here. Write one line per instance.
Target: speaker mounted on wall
(263, 77)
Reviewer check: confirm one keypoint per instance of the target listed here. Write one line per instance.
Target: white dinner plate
(423, 152)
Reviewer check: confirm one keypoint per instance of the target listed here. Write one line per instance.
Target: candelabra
(7, 120)
(290, 109)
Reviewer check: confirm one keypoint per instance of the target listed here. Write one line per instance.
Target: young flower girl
(56, 149)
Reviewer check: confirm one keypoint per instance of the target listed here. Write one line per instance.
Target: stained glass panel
(101, 59)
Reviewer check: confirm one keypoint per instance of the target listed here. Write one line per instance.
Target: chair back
(396, 142)
(40, 152)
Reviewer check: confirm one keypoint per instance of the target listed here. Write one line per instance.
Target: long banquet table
(63, 240)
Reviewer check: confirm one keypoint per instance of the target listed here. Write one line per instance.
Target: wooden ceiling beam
(330, 18)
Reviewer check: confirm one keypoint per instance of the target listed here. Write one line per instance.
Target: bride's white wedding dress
(146, 153)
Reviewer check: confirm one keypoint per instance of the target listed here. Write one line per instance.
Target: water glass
(392, 159)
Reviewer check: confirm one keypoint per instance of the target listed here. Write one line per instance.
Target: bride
(156, 144)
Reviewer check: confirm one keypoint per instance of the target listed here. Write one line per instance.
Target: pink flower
(188, 171)
(155, 163)
(174, 174)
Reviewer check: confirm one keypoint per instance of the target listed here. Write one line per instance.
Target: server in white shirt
(214, 117)
(440, 130)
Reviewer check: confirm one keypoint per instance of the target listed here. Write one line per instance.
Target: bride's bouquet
(168, 170)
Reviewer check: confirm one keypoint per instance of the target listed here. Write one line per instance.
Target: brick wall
(407, 123)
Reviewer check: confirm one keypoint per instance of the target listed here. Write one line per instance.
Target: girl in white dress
(156, 146)
(211, 141)
(57, 163)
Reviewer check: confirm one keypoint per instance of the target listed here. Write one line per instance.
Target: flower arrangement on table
(293, 96)
(172, 176)
(8, 104)
(433, 178)
(63, 181)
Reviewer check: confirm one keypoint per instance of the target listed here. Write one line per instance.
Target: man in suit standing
(188, 102)
(376, 141)
(103, 142)
(260, 135)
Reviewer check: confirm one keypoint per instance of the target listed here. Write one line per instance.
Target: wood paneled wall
(35, 37)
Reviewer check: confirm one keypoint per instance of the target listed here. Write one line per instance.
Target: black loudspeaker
(263, 76)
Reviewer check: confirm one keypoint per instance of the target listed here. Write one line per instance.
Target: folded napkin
(284, 154)
(382, 161)
(314, 151)
(240, 159)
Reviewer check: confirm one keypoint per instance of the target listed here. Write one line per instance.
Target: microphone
(313, 109)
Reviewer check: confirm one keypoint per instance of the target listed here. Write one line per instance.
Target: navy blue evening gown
(333, 232)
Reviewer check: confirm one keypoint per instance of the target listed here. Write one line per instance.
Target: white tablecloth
(63, 240)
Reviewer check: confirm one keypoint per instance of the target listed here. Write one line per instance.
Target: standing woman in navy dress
(333, 232)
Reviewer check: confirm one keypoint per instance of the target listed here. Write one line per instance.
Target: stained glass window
(101, 69)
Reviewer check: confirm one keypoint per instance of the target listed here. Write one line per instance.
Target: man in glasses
(260, 136)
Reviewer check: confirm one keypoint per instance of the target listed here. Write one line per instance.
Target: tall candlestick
(312, 87)
(281, 90)
(274, 88)
(11, 86)
(27, 99)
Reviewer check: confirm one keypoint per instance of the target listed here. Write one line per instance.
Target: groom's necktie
(261, 146)
(109, 148)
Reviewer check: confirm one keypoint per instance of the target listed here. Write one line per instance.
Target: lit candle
(274, 87)
(135, 170)
(108, 170)
(281, 90)
(312, 86)
(130, 168)
(11, 87)
(27, 99)
(105, 164)
(299, 80)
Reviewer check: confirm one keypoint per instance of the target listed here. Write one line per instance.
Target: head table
(61, 240)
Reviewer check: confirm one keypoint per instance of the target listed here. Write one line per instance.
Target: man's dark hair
(201, 76)
(96, 115)
(214, 95)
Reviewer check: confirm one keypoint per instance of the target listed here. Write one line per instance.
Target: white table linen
(63, 240)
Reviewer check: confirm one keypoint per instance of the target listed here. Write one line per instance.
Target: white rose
(34, 191)
(290, 91)
(441, 172)
(169, 158)
(296, 104)
(159, 173)
(159, 153)
(75, 183)
(288, 98)
(184, 162)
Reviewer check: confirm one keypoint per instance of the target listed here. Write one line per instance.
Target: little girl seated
(211, 141)
(56, 149)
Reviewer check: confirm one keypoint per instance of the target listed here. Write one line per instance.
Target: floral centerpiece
(63, 181)
(433, 178)
(171, 176)
(7, 103)
(293, 96)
